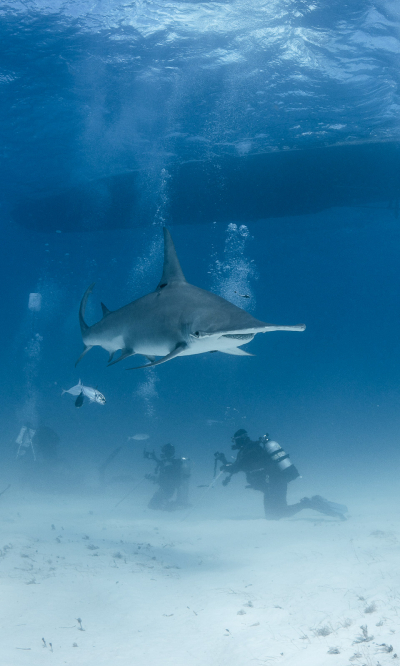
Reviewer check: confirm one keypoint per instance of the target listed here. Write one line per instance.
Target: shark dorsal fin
(105, 309)
(172, 271)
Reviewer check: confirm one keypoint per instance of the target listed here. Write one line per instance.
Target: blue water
(265, 136)
(93, 91)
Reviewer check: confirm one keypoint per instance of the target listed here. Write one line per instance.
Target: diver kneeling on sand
(269, 469)
(172, 475)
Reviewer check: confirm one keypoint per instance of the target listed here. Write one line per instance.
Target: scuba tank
(185, 467)
(280, 459)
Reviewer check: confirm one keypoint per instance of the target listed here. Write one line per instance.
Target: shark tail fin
(82, 308)
(172, 271)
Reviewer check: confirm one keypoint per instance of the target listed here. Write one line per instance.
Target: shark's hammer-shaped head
(225, 327)
(176, 319)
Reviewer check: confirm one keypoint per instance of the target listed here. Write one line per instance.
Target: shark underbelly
(153, 348)
(194, 346)
(109, 343)
(157, 340)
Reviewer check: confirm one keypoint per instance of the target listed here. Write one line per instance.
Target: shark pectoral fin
(180, 347)
(124, 354)
(236, 351)
(85, 351)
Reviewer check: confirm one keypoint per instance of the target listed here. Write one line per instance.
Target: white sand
(153, 589)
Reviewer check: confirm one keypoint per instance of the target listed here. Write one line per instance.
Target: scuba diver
(25, 442)
(269, 469)
(38, 463)
(40, 443)
(172, 476)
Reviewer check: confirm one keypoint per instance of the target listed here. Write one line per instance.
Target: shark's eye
(196, 334)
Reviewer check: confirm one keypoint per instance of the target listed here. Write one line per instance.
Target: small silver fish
(139, 436)
(93, 394)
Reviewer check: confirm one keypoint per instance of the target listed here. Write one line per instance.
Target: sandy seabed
(185, 590)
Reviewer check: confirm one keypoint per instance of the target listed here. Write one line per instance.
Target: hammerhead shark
(177, 319)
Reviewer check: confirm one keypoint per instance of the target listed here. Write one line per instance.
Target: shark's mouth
(239, 336)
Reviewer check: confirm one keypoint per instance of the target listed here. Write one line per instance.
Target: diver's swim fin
(322, 505)
(340, 508)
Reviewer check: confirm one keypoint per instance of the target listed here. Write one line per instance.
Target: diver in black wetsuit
(172, 476)
(269, 469)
